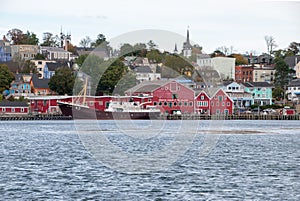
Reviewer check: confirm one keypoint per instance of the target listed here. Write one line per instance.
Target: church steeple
(175, 49)
(187, 47)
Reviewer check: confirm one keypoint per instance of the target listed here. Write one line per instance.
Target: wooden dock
(34, 117)
(230, 117)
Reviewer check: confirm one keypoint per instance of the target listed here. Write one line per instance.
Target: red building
(244, 74)
(221, 103)
(169, 96)
(14, 107)
(202, 103)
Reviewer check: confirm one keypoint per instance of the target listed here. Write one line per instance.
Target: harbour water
(206, 160)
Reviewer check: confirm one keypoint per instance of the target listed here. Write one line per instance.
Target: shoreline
(163, 117)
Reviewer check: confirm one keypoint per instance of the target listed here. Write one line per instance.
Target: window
(179, 103)
(228, 104)
(223, 104)
(185, 103)
(100, 102)
(160, 103)
(217, 104)
(154, 103)
(3, 109)
(40, 62)
(170, 104)
(175, 104)
(13, 109)
(165, 103)
(91, 103)
(22, 109)
(212, 103)
(202, 97)
(220, 98)
(191, 103)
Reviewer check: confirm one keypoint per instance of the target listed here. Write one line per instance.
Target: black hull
(78, 112)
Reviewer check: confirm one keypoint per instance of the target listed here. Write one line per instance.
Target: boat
(117, 108)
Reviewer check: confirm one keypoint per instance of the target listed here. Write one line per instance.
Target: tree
(140, 49)
(283, 73)
(225, 50)
(278, 93)
(39, 56)
(16, 36)
(239, 59)
(293, 49)
(217, 53)
(6, 77)
(151, 45)
(28, 67)
(62, 82)
(85, 42)
(126, 82)
(126, 49)
(50, 40)
(100, 39)
(30, 39)
(110, 78)
(271, 44)
(154, 56)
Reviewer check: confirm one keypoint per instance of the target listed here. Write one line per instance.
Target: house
(237, 93)
(261, 92)
(208, 75)
(168, 95)
(13, 107)
(40, 65)
(293, 90)
(21, 86)
(202, 103)
(50, 67)
(5, 51)
(244, 73)
(221, 103)
(40, 86)
(55, 53)
(294, 63)
(144, 73)
(223, 65)
(263, 73)
(24, 52)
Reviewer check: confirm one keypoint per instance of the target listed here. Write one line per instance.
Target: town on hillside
(35, 76)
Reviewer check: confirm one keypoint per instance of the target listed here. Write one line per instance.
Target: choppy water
(243, 160)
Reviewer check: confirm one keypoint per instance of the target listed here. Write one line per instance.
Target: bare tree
(85, 42)
(271, 44)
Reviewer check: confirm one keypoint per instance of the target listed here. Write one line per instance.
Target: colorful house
(261, 92)
(21, 86)
(202, 103)
(13, 107)
(221, 103)
(237, 93)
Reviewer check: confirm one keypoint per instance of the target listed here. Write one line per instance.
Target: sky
(212, 24)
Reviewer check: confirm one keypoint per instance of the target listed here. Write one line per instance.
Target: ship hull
(78, 112)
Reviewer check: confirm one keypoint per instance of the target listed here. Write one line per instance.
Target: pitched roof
(294, 83)
(257, 84)
(53, 66)
(291, 61)
(53, 49)
(12, 66)
(143, 69)
(39, 83)
(147, 86)
(6, 103)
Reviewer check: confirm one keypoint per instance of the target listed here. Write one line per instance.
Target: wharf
(230, 117)
(34, 117)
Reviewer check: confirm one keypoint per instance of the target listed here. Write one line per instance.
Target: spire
(175, 49)
(188, 36)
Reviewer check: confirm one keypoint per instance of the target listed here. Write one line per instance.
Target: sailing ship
(116, 108)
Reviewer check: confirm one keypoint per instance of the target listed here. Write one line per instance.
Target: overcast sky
(241, 24)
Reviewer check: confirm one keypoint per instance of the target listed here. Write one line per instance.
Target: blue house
(261, 92)
(5, 51)
(49, 69)
(21, 86)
